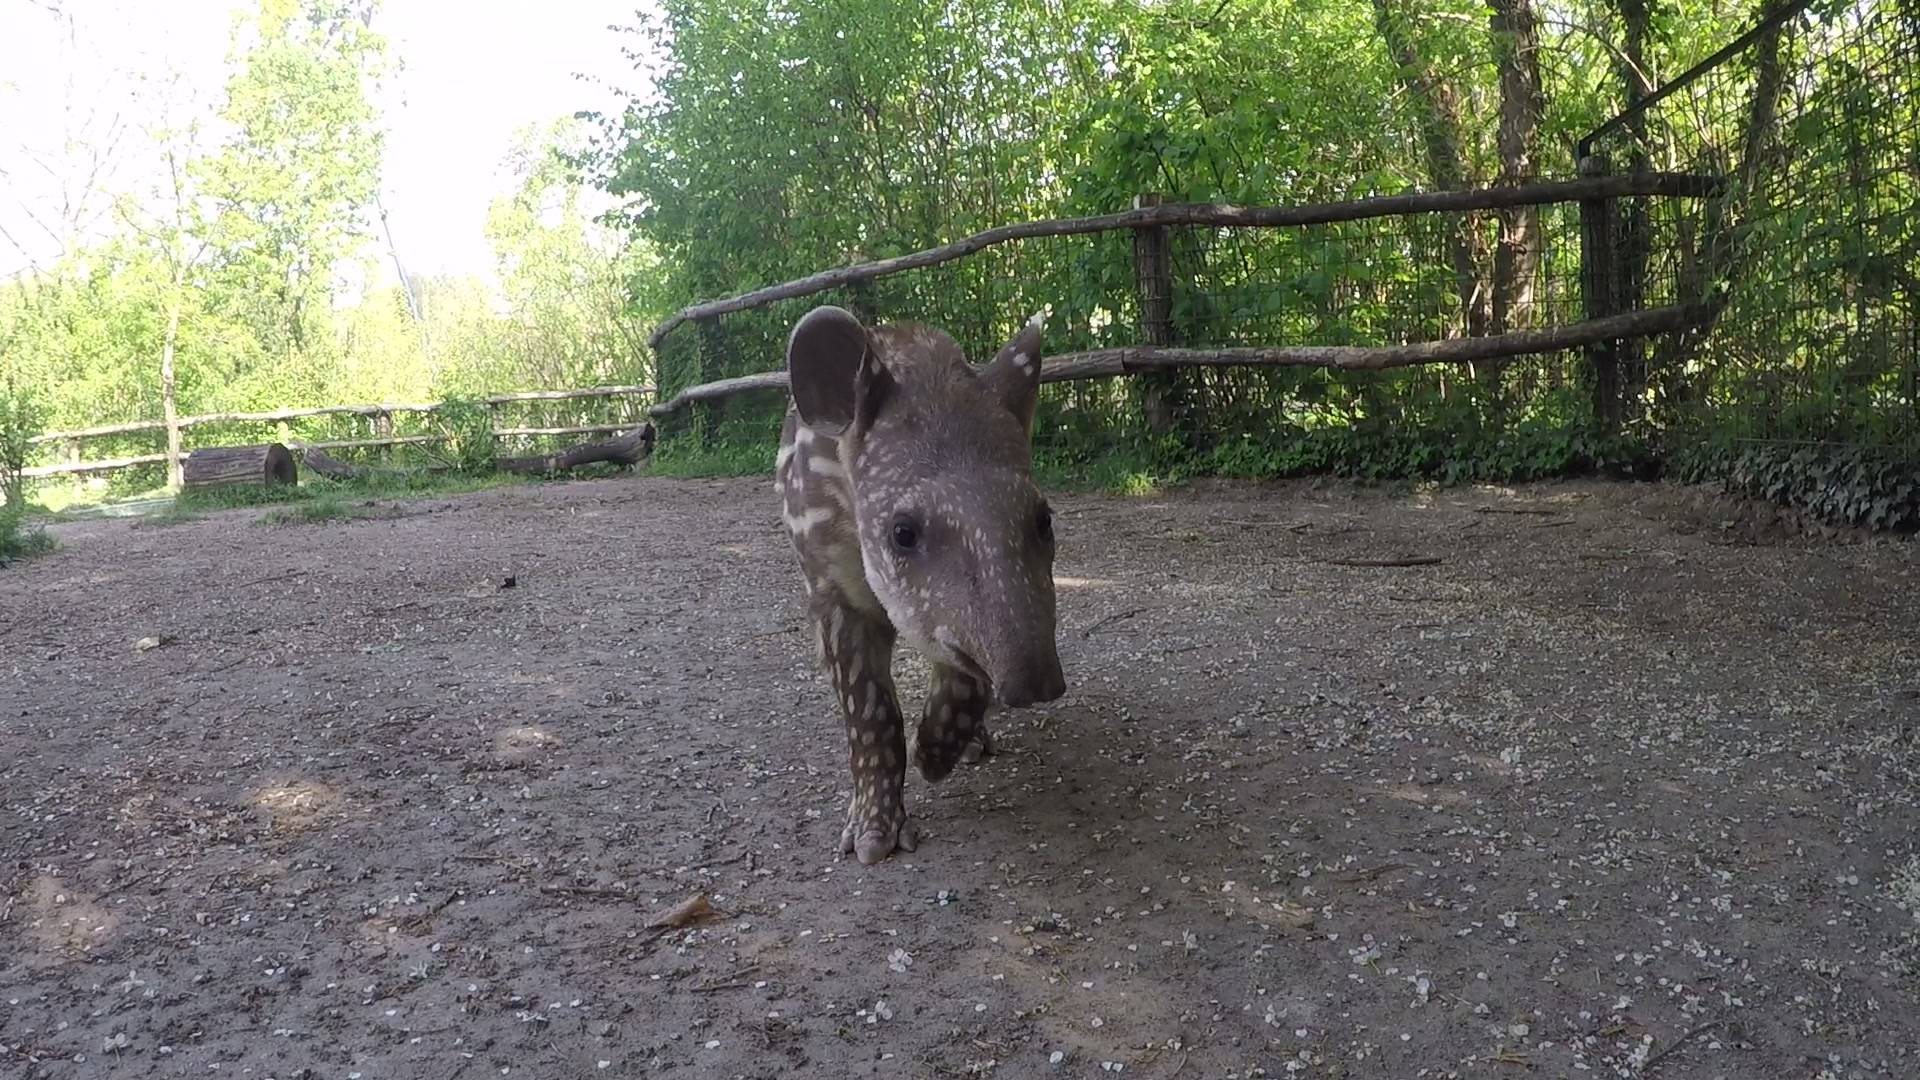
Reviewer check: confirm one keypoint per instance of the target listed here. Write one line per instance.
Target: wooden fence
(1609, 316)
(381, 415)
(1608, 319)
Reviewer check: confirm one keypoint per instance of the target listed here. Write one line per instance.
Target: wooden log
(568, 395)
(626, 451)
(222, 466)
(1105, 363)
(720, 388)
(1675, 185)
(325, 464)
(361, 444)
(1130, 360)
(583, 429)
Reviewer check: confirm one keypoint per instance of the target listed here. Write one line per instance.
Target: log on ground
(224, 466)
(325, 464)
(626, 451)
(320, 462)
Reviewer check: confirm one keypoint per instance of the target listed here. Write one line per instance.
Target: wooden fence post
(707, 353)
(383, 429)
(1598, 293)
(1160, 392)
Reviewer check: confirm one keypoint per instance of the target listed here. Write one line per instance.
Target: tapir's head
(957, 540)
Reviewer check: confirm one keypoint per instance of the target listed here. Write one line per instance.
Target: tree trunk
(168, 405)
(1516, 261)
(1437, 113)
(223, 466)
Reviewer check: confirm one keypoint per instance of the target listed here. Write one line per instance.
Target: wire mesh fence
(1812, 254)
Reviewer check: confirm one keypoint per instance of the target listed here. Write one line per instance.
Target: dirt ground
(1623, 784)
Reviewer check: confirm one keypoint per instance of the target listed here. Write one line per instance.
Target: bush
(20, 421)
(19, 537)
(467, 423)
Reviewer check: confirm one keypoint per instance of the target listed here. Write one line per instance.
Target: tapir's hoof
(978, 747)
(872, 841)
(937, 763)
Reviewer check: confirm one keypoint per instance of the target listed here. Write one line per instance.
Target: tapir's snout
(1032, 683)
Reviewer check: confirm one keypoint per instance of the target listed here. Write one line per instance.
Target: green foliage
(326, 508)
(20, 420)
(320, 499)
(783, 138)
(236, 496)
(1850, 485)
(468, 426)
(21, 537)
(687, 458)
(292, 184)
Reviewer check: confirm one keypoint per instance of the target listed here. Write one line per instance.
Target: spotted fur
(893, 436)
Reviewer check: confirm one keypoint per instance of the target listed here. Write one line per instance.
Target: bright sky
(473, 74)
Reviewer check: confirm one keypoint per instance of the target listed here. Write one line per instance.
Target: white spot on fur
(809, 520)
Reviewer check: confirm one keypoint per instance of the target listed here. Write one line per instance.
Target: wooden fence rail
(373, 410)
(379, 411)
(1677, 185)
(1134, 359)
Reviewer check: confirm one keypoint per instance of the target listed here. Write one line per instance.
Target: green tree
(171, 224)
(577, 293)
(291, 186)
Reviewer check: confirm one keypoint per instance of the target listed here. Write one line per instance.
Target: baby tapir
(908, 487)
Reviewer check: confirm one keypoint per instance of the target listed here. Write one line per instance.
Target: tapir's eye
(906, 535)
(1043, 523)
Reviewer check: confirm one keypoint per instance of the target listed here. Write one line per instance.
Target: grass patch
(21, 538)
(173, 514)
(60, 499)
(686, 459)
(325, 508)
(1130, 471)
(318, 499)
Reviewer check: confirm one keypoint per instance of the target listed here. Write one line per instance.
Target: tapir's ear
(832, 371)
(1014, 375)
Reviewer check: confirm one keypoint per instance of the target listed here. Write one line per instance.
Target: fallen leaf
(687, 912)
(1283, 914)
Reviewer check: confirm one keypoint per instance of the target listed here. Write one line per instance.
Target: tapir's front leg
(954, 727)
(858, 650)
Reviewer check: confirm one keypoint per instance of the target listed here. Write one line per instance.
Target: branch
(1640, 74)
(1133, 359)
(1678, 185)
